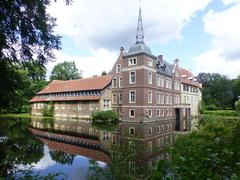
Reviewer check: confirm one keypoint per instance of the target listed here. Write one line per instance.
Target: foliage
(65, 71)
(17, 150)
(62, 157)
(48, 109)
(26, 31)
(217, 91)
(237, 106)
(105, 116)
(211, 153)
(21, 83)
(104, 73)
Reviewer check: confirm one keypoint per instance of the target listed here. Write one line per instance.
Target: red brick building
(74, 98)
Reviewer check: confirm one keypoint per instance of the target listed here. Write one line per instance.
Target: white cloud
(228, 2)
(100, 60)
(211, 61)
(112, 23)
(224, 29)
(224, 56)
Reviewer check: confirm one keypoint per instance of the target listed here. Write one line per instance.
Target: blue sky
(204, 34)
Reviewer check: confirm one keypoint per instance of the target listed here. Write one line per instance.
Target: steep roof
(185, 74)
(94, 83)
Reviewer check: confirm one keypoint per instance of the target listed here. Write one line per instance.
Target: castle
(141, 87)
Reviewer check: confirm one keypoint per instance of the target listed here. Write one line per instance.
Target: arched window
(131, 130)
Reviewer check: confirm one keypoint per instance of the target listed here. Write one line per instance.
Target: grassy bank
(22, 115)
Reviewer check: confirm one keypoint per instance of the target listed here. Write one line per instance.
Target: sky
(203, 34)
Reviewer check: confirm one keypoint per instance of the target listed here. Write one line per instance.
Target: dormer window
(132, 61)
(149, 62)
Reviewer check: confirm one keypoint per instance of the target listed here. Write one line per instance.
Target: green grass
(22, 115)
(229, 113)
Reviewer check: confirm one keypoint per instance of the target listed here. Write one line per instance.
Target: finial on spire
(140, 33)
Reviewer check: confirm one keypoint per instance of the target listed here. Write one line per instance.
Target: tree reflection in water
(62, 157)
(19, 146)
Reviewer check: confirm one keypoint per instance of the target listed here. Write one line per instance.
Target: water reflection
(80, 149)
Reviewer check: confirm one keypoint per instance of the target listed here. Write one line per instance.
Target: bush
(210, 107)
(110, 116)
(48, 109)
(237, 106)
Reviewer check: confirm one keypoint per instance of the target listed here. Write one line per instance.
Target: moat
(78, 149)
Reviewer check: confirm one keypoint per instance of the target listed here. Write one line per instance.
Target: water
(78, 149)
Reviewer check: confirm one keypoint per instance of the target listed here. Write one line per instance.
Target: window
(149, 96)
(150, 130)
(158, 112)
(170, 112)
(158, 80)
(162, 81)
(166, 83)
(120, 98)
(158, 129)
(131, 146)
(131, 130)
(162, 98)
(161, 141)
(91, 107)
(150, 146)
(132, 61)
(132, 96)
(114, 98)
(167, 112)
(150, 62)
(170, 99)
(114, 83)
(132, 77)
(118, 68)
(162, 128)
(120, 82)
(131, 167)
(170, 126)
(158, 98)
(149, 113)
(162, 112)
(167, 99)
(131, 113)
(170, 84)
(106, 104)
(149, 77)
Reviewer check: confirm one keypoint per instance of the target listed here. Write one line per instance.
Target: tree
(104, 73)
(65, 71)
(217, 90)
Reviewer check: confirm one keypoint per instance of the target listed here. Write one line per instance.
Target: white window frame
(120, 98)
(130, 99)
(114, 100)
(162, 112)
(149, 113)
(158, 112)
(132, 61)
(113, 84)
(120, 82)
(130, 79)
(150, 96)
(130, 113)
(150, 62)
(158, 80)
(158, 98)
(162, 81)
(149, 76)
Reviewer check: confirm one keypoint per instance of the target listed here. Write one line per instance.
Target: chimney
(122, 51)
(160, 57)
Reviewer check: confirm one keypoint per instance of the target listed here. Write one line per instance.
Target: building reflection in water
(128, 148)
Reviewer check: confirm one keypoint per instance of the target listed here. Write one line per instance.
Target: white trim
(129, 113)
(130, 82)
(139, 67)
(129, 96)
(132, 58)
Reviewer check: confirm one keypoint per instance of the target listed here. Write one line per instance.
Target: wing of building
(74, 98)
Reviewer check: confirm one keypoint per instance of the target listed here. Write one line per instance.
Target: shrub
(48, 109)
(211, 107)
(105, 116)
(237, 106)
